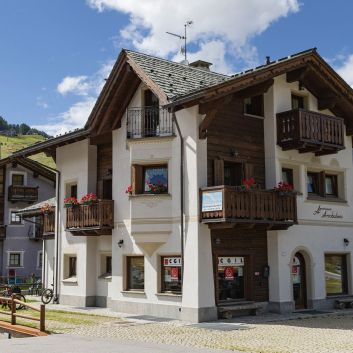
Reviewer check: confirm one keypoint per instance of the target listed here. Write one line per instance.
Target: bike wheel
(47, 296)
(23, 299)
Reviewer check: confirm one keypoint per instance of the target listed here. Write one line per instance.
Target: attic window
(254, 105)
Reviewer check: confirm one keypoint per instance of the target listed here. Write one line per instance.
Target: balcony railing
(93, 219)
(309, 131)
(2, 232)
(48, 225)
(23, 193)
(149, 122)
(35, 232)
(228, 204)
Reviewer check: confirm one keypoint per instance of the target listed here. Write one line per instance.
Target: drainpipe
(182, 236)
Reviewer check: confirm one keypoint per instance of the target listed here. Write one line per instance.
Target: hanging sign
(230, 261)
(211, 201)
(175, 274)
(229, 273)
(172, 261)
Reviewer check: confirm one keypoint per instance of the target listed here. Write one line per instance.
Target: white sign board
(211, 201)
(230, 261)
(172, 261)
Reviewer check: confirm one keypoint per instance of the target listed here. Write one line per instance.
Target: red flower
(284, 186)
(70, 201)
(128, 190)
(248, 183)
(89, 198)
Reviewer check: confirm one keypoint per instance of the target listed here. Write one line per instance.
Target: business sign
(174, 274)
(229, 273)
(211, 201)
(172, 261)
(230, 261)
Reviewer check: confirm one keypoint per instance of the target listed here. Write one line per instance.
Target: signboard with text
(230, 261)
(211, 201)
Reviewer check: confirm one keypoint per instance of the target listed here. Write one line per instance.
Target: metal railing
(149, 122)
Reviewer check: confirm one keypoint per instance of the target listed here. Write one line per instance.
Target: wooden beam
(298, 74)
(327, 102)
(206, 123)
(255, 90)
(101, 139)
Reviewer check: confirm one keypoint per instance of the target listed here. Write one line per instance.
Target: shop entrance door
(230, 278)
(299, 281)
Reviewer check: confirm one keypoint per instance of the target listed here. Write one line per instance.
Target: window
(73, 190)
(15, 218)
(336, 274)
(17, 179)
(233, 173)
(171, 274)
(322, 184)
(135, 273)
(155, 180)
(298, 102)
(15, 259)
(108, 265)
(40, 259)
(72, 266)
(287, 175)
(254, 105)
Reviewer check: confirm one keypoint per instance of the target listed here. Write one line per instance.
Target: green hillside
(11, 144)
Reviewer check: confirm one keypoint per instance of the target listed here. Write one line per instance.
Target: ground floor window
(171, 274)
(70, 266)
(336, 274)
(15, 259)
(135, 266)
(231, 284)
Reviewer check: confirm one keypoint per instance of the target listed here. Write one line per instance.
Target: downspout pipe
(182, 234)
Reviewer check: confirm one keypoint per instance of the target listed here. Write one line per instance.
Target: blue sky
(55, 54)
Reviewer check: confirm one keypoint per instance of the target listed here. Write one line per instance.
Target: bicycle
(47, 295)
(8, 292)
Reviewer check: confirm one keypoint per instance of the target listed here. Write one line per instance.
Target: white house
(175, 232)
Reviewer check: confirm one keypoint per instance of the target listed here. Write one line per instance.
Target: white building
(237, 249)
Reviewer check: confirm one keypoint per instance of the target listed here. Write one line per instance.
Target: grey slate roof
(173, 78)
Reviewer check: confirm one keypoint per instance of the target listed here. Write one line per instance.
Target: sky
(55, 55)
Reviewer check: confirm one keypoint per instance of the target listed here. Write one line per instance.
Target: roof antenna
(183, 48)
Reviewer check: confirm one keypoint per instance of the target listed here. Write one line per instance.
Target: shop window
(15, 259)
(15, 218)
(322, 184)
(298, 102)
(171, 274)
(150, 179)
(18, 179)
(336, 274)
(254, 105)
(135, 268)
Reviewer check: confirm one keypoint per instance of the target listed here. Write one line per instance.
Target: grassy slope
(12, 144)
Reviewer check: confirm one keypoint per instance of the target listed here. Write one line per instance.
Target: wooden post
(13, 310)
(42, 318)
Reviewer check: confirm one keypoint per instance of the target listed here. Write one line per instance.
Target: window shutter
(137, 179)
(218, 171)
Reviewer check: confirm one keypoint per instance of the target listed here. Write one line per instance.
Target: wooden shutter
(137, 178)
(218, 165)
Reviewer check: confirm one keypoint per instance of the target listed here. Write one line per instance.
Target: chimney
(200, 64)
(268, 60)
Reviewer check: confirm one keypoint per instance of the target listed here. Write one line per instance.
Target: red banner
(229, 273)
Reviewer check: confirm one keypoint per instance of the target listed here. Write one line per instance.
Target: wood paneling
(104, 167)
(235, 136)
(251, 244)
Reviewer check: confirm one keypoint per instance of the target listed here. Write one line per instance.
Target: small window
(155, 180)
(287, 175)
(72, 266)
(331, 185)
(15, 218)
(17, 179)
(336, 274)
(313, 183)
(135, 273)
(171, 274)
(322, 184)
(14, 259)
(298, 102)
(254, 105)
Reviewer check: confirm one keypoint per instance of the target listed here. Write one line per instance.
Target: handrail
(13, 301)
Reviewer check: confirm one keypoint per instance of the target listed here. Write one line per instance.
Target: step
(236, 309)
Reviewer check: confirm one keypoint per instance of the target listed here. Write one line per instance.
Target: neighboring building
(289, 120)
(22, 182)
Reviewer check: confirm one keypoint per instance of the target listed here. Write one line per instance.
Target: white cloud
(74, 84)
(346, 69)
(229, 22)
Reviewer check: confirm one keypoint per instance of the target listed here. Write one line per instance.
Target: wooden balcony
(94, 219)
(49, 225)
(228, 206)
(2, 232)
(23, 193)
(308, 131)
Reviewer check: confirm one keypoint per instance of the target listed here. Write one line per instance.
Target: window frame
(320, 185)
(72, 272)
(128, 266)
(303, 98)
(261, 113)
(15, 223)
(24, 174)
(344, 274)
(290, 173)
(162, 275)
(20, 258)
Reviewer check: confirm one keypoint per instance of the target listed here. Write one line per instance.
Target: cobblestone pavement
(270, 333)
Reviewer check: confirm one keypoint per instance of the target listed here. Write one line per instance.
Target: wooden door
(299, 281)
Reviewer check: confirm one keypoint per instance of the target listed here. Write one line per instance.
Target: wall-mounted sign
(211, 201)
(326, 212)
(230, 261)
(172, 261)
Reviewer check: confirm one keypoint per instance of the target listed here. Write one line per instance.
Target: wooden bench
(238, 309)
(344, 303)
